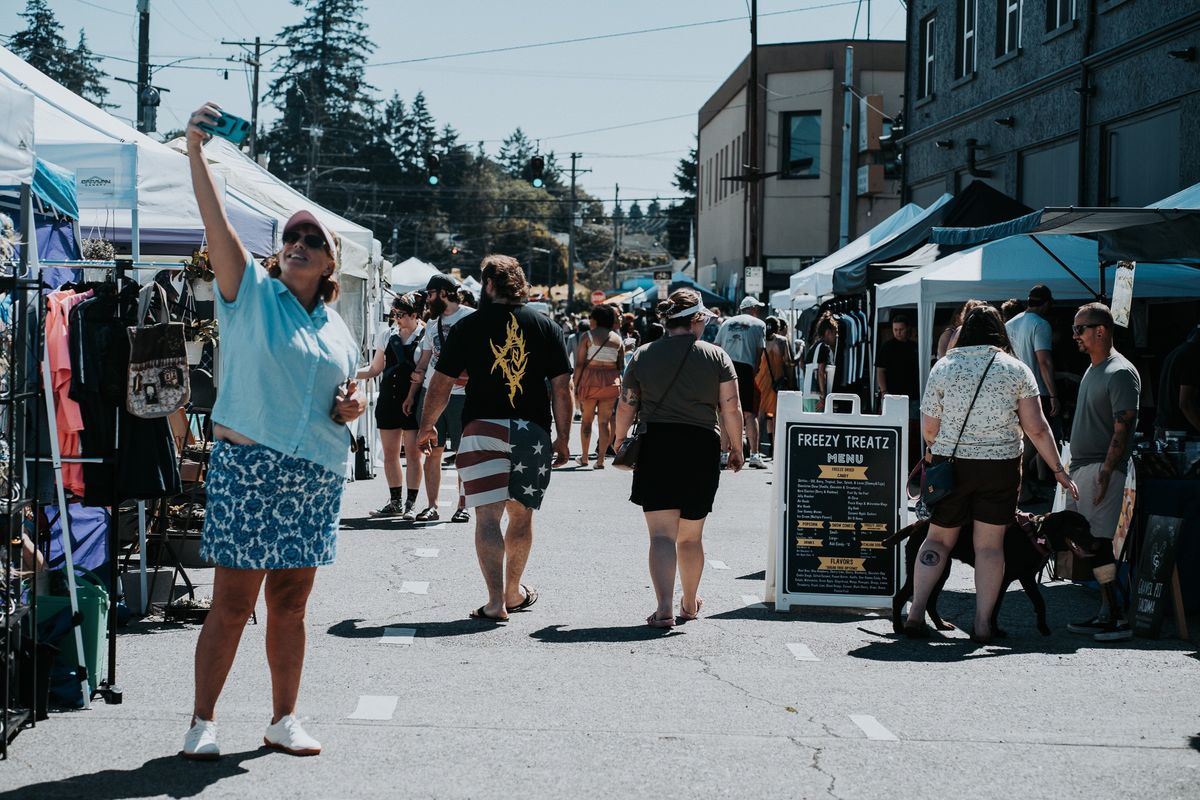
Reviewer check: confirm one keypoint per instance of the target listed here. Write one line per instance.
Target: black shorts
(679, 468)
(984, 491)
(747, 391)
(390, 416)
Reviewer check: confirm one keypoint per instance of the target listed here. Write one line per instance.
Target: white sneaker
(290, 737)
(200, 742)
(755, 461)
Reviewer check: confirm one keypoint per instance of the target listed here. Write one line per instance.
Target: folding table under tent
(1008, 267)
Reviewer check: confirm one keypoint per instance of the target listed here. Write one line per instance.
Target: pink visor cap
(308, 218)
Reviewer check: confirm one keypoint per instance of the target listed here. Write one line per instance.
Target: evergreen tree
(636, 215)
(515, 152)
(84, 76)
(323, 96)
(41, 44)
(681, 215)
(685, 173)
(654, 210)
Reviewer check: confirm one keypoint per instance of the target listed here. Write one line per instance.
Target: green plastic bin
(93, 604)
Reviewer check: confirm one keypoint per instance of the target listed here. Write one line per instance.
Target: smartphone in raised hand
(235, 129)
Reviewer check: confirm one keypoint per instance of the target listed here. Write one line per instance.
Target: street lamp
(549, 265)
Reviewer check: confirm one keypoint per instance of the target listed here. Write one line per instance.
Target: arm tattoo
(631, 398)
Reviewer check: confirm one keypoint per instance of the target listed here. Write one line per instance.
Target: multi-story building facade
(801, 106)
(1053, 102)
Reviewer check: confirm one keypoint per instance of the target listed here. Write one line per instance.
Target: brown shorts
(984, 491)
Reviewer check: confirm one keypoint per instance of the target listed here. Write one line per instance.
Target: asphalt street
(579, 698)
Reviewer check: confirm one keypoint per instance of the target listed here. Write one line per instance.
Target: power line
(602, 36)
(105, 8)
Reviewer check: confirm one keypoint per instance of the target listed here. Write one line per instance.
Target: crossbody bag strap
(670, 385)
(588, 360)
(971, 407)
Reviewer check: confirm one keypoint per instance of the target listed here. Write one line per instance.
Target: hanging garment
(144, 464)
(66, 411)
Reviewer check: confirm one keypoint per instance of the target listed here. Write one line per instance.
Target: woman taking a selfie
(396, 352)
(275, 479)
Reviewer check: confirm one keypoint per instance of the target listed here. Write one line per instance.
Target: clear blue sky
(555, 93)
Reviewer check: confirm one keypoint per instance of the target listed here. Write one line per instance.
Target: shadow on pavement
(350, 628)
(1194, 742)
(170, 775)
(554, 634)
(375, 523)
(761, 575)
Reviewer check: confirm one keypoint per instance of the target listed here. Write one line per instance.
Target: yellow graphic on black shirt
(511, 359)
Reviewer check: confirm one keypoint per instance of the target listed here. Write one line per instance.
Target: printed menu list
(841, 504)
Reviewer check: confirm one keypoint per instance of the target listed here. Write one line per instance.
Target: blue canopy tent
(649, 293)
(1165, 232)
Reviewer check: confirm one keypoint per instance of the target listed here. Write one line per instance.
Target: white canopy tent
(16, 138)
(412, 274)
(817, 279)
(1008, 267)
(164, 198)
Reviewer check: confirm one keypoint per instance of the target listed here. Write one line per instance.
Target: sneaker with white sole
(724, 460)
(289, 736)
(1089, 627)
(200, 742)
(755, 461)
(1117, 630)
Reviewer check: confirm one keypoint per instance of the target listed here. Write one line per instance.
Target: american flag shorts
(504, 459)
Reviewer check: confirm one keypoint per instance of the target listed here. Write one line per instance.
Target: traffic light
(432, 165)
(889, 149)
(537, 167)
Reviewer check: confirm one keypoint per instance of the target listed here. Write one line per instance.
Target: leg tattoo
(930, 558)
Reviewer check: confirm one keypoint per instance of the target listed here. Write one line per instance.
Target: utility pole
(571, 235)
(616, 231)
(847, 118)
(752, 167)
(143, 71)
(256, 62)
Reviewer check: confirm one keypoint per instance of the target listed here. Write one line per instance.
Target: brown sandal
(685, 616)
(654, 621)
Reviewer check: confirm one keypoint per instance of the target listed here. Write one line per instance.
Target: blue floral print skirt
(267, 510)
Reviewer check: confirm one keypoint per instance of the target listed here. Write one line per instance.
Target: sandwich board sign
(840, 490)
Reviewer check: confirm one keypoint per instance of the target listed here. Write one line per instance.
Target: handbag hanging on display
(938, 479)
(627, 454)
(158, 383)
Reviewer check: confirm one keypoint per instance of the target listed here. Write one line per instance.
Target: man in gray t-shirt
(743, 338)
(1101, 439)
(1030, 335)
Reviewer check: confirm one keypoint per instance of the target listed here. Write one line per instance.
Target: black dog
(1063, 530)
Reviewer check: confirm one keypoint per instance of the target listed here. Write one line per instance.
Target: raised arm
(225, 251)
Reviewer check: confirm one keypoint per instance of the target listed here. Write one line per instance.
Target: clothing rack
(14, 716)
(107, 688)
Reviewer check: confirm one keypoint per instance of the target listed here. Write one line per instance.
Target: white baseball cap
(750, 302)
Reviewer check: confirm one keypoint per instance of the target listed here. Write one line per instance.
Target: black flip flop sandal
(531, 597)
(480, 614)
(461, 515)
(428, 515)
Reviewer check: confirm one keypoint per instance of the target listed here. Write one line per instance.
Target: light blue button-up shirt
(280, 370)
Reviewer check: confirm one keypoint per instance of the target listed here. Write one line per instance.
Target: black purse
(627, 454)
(938, 479)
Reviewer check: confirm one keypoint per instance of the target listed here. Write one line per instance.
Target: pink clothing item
(67, 414)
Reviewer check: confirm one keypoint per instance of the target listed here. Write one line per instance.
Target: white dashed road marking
(426, 552)
(715, 564)
(801, 652)
(414, 587)
(871, 727)
(376, 707)
(399, 635)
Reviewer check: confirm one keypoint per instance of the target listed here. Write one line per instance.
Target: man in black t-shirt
(896, 372)
(511, 355)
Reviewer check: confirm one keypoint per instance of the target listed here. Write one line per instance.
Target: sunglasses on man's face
(311, 240)
(1079, 329)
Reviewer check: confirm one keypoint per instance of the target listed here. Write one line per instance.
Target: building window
(800, 155)
(1059, 13)
(965, 57)
(1008, 26)
(928, 43)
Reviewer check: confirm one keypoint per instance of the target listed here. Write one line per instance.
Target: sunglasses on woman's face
(311, 240)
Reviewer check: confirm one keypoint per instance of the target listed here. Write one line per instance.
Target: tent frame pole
(1070, 271)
